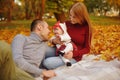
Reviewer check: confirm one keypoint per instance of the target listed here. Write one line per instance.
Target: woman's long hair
(80, 11)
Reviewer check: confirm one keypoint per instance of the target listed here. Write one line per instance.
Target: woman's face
(74, 19)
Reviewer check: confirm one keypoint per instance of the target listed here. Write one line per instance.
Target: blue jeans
(52, 61)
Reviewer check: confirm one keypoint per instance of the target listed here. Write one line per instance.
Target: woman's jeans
(52, 61)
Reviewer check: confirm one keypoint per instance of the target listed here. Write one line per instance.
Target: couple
(32, 54)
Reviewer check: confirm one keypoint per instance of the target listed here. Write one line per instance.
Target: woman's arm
(85, 46)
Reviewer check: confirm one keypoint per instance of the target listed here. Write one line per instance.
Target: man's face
(45, 32)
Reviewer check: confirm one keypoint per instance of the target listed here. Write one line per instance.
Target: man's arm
(17, 50)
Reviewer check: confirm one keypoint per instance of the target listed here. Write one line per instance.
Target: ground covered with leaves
(106, 40)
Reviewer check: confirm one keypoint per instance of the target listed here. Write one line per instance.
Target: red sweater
(80, 37)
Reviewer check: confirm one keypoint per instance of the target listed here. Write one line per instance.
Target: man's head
(40, 28)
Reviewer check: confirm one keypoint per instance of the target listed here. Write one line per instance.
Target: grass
(102, 20)
(14, 24)
(22, 23)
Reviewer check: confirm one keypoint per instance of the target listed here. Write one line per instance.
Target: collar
(35, 37)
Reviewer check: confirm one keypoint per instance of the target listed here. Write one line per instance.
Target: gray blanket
(89, 69)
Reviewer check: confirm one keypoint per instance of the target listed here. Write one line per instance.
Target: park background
(16, 16)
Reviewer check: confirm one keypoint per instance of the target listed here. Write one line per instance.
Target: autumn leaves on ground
(106, 40)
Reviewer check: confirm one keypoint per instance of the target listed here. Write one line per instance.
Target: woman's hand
(68, 55)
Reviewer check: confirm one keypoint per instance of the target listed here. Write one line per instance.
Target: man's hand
(68, 55)
(48, 73)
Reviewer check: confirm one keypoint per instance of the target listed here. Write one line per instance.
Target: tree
(34, 7)
(59, 8)
(18, 12)
(99, 5)
(42, 8)
(38, 8)
(26, 4)
(6, 8)
(27, 9)
(115, 3)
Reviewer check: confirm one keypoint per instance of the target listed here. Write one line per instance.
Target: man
(29, 51)
(8, 70)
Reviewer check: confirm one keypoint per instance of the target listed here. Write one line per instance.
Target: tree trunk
(9, 14)
(60, 17)
(10, 8)
(35, 9)
(37, 14)
(119, 11)
(27, 14)
(42, 10)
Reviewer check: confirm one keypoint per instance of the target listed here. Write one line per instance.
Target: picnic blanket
(89, 69)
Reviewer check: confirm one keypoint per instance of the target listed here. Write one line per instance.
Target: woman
(79, 29)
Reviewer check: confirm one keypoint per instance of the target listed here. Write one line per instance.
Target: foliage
(36, 8)
(115, 3)
(58, 6)
(6, 9)
(18, 15)
(8, 34)
(105, 41)
(97, 4)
